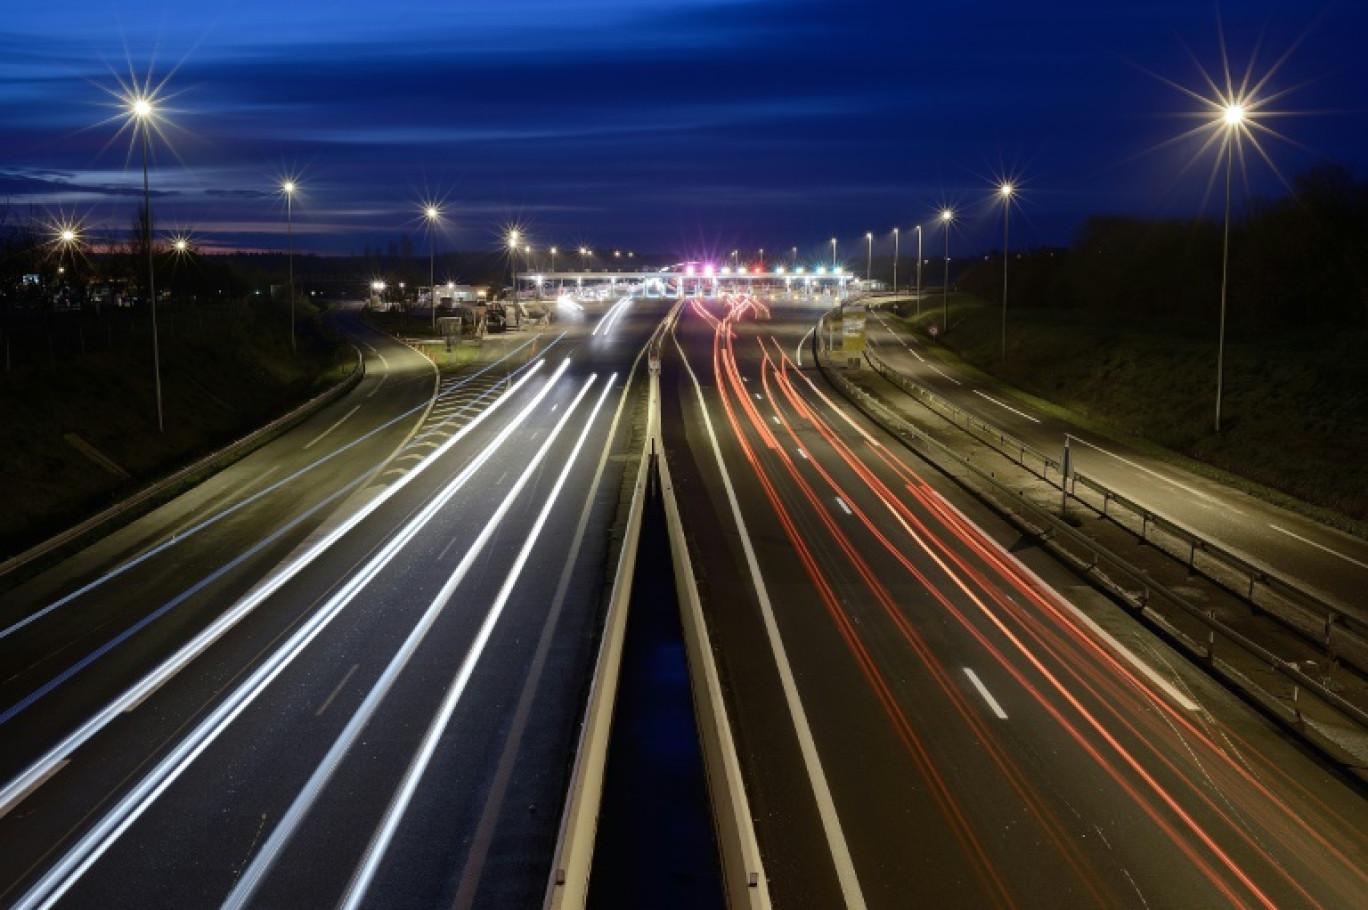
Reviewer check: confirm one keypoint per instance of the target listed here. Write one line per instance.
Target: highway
(348, 670)
(923, 719)
(1322, 560)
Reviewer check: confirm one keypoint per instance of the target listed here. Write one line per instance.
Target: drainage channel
(655, 845)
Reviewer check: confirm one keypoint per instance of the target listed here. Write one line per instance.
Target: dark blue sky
(675, 126)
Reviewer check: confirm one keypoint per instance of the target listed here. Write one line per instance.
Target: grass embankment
(1294, 412)
(418, 329)
(80, 429)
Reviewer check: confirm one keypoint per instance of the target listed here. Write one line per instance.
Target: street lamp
(143, 113)
(288, 188)
(946, 216)
(1233, 117)
(919, 267)
(869, 259)
(432, 213)
(895, 262)
(833, 252)
(513, 261)
(1005, 191)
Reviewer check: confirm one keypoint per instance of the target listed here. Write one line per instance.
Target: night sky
(684, 127)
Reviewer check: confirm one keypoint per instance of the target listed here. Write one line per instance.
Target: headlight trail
(610, 318)
(225, 513)
(1095, 676)
(380, 843)
(44, 766)
(62, 876)
(308, 795)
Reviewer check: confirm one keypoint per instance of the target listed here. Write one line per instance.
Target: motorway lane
(981, 744)
(173, 837)
(1321, 559)
(78, 633)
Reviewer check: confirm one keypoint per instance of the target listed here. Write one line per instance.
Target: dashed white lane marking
(945, 374)
(338, 688)
(987, 696)
(334, 426)
(1005, 406)
(844, 508)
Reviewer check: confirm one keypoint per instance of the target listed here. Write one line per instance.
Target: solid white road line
(384, 835)
(798, 349)
(987, 696)
(1155, 474)
(1319, 546)
(826, 805)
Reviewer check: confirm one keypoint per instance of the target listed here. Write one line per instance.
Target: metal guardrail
(1125, 581)
(173, 482)
(1257, 580)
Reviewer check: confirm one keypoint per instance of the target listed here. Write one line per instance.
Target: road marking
(807, 745)
(383, 836)
(1155, 474)
(943, 373)
(1126, 653)
(93, 844)
(450, 543)
(987, 696)
(803, 455)
(777, 421)
(1007, 406)
(798, 349)
(336, 689)
(1319, 546)
(844, 508)
(333, 427)
(383, 377)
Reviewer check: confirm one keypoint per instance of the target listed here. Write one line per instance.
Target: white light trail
(611, 317)
(90, 847)
(265, 859)
(219, 516)
(375, 851)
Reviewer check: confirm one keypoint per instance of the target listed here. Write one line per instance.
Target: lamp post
(895, 262)
(919, 265)
(833, 252)
(947, 216)
(1005, 191)
(513, 262)
(869, 256)
(432, 213)
(142, 111)
(1233, 116)
(288, 188)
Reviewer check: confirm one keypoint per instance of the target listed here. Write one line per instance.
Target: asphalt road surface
(925, 721)
(347, 671)
(1320, 559)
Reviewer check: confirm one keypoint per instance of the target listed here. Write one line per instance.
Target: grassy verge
(80, 430)
(1294, 413)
